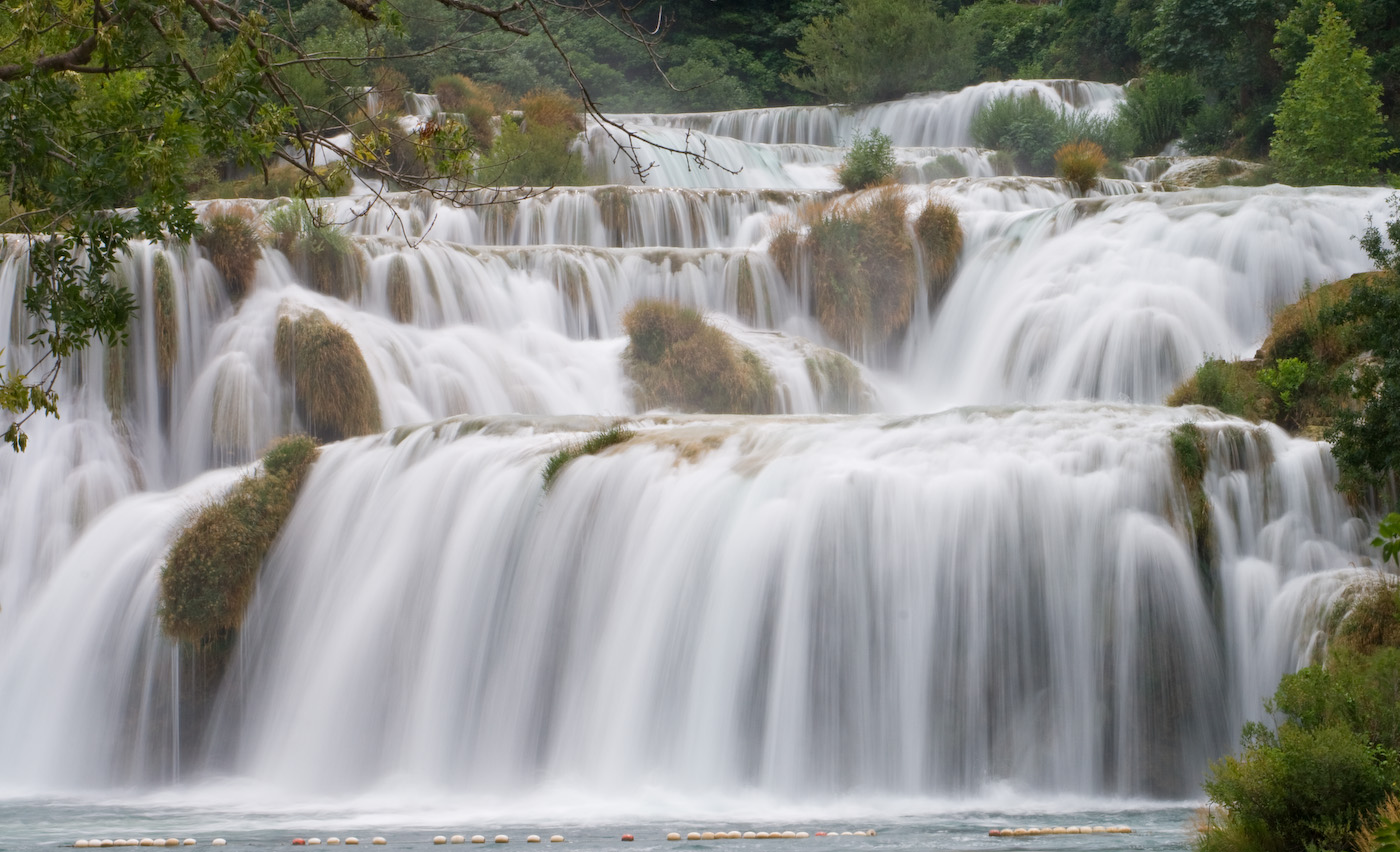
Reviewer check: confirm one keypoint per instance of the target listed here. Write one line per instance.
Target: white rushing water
(989, 584)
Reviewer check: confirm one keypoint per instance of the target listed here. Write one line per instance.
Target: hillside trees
(1328, 125)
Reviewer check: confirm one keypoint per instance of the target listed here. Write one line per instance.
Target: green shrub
(232, 239)
(1080, 163)
(595, 444)
(1232, 387)
(1328, 126)
(167, 321)
(870, 162)
(1159, 107)
(1032, 131)
(212, 568)
(1284, 379)
(940, 236)
(335, 395)
(1211, 130)
(677, 359)
(537, 156)
(838, 384)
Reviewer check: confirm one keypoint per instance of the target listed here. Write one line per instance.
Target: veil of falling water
(989, 579)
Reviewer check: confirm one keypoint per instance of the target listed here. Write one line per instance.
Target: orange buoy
(297, 841)
(628, 837)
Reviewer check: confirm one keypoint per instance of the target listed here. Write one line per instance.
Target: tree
(111, 104)
(1328, 126)
(880, 49)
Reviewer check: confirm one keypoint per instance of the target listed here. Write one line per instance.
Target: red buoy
(298, 842)
(628, 837)
(821, 834)
(996, 832)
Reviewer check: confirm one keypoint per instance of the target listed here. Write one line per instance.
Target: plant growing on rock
(212, 568)
(322, 252)
(595, 444)
(869, 162)
(232, 237)
(167, 321)
(1080, 163)
(940, 239)
(677, 359)
(335, 395)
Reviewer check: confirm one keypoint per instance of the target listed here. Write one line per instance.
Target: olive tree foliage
(1328, 126)
(109, 108)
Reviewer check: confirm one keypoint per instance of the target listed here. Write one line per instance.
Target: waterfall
(988, 578)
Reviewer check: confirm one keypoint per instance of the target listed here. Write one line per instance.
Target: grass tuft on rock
(212, 568)
(324, 255)
(1080, 163)
(167, 320)
(1191, 457)
(840, 388)
(335, 395)
(678, 360)
(940, 238)
(232, 237)
(595, 444)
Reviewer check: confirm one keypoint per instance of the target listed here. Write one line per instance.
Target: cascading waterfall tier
(1005, 590)
(811, 605)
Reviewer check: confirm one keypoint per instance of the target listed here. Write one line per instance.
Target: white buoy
(81, 844)
(352, 841)
(477, 838)
(457, 838)
(707, 835)
(802, 835)
(379, 841)
(675, 835)
(556, 838)
(750, 835)
(332, 841)
(534, 838)
(440, 840)
(219, 841)
(313, 841)
(190, 841)
(501, 838)
(172, 841)
(789, 834)
(105, 843)
(146, 841)
(159, 841)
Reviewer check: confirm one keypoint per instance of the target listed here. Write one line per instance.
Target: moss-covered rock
(212, 569)
(233, 240)
(678, 360)
(840, 388)
(335, 395)
(1190, 458)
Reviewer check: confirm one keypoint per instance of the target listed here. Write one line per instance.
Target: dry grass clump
(940, 237)
(233, 238)
(400, 290)
(614, 206)
(166, 320)
(745, 294)
(1381, 832)
(327, 258)
(859, 257)
(595, 444)
(212, 568)
(335, 395)
(1080, 163)
(477, 103)
(551, 108)
(678, 360)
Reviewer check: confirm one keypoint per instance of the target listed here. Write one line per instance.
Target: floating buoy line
(1060, 829)
(442, 839)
